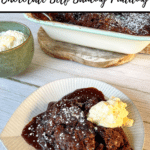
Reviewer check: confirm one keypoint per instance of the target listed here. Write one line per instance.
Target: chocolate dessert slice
(64, 126)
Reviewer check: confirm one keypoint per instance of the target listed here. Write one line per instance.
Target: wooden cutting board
(146, 50)
(84, 55)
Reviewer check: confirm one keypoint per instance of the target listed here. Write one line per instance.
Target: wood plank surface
(146, 50)
(12, 94)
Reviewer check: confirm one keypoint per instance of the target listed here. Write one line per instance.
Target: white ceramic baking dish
(94, 38)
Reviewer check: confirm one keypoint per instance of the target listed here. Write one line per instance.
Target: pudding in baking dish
(128, 23)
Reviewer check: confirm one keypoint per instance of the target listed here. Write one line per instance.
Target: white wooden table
(133, 79)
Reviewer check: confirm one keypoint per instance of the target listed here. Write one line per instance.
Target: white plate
(38, 101)
(94, 38)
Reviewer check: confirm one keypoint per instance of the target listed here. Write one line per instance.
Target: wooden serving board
(84, 55)
(146, 50)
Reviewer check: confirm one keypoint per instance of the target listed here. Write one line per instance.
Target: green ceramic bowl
(16, 60)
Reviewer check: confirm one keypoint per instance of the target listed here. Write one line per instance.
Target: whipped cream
(111, 113)
(11, 39)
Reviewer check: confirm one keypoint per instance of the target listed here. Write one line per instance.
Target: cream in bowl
(16, 48)
(10, 39)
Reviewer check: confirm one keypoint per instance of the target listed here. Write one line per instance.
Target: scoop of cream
(11, 39)
(111, 113)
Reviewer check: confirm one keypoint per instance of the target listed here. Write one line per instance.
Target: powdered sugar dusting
(135, 22)
(65, 126)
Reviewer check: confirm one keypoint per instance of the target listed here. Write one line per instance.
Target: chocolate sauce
(80, 97)
(64, 125)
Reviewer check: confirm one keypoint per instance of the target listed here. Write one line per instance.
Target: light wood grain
(12, 94)
(133, 75)
(140, 99)
(146, 50)
(147, 136)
